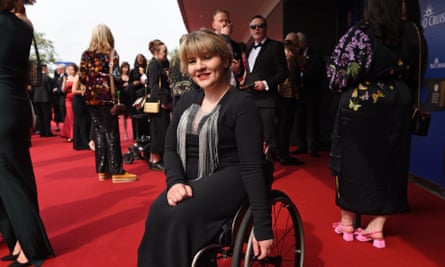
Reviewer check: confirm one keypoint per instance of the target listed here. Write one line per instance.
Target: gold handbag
(152, 107)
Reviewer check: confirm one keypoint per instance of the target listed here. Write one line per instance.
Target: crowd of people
(221, 103)
(294, 90)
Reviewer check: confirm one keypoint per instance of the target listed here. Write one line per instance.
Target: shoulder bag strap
(420, 69)
(112, 83)
(36, 49)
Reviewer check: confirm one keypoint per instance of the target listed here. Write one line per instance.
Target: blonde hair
(221, 10)
(102, 39)
(202, 43)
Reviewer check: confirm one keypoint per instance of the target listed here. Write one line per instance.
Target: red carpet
(92, 223)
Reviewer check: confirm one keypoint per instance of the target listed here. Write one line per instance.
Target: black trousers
(286, 115)
(158, 129)
(43, 112)
(106, 139)
(269, 120)
(308, 121)
(59, 108)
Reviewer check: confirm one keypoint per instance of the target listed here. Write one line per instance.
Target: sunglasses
(257, 26)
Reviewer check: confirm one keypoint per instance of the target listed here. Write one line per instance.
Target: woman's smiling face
(207, 70)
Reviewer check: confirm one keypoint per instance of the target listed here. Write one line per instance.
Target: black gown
(174, 234)
(82, 123)
(371, 138)
(19, 211)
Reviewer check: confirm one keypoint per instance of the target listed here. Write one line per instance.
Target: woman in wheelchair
(213, 162)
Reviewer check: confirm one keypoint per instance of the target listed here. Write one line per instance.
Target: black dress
(174, 234)
(81, 124)
(372, 133)
(19, 210)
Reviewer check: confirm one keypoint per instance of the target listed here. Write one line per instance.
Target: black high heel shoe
(10, 257)
(156, 166)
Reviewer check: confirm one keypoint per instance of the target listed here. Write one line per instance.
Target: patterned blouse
(94, 74)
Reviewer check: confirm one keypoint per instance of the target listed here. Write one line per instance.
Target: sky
(134, 23)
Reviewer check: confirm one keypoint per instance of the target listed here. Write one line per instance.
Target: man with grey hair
(293, 37)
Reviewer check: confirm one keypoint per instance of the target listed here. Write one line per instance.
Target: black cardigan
(240, 143)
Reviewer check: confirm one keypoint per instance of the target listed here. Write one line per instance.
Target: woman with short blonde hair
(213, 162)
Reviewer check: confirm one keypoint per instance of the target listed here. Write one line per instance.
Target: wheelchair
(235, 240)
(141, 148)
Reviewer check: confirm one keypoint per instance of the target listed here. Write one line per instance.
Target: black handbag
(34, 74)
(117, 108)
(420, 120)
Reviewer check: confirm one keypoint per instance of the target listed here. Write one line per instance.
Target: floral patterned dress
(371, 136)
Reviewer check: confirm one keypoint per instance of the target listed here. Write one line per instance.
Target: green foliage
(353, 69)
(47, 52)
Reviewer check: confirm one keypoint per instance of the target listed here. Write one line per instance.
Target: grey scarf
(208, 139)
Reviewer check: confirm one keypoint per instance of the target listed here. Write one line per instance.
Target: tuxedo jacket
(271, 66)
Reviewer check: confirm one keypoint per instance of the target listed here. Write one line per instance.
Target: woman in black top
(136, 84)
(20, 222)
(82, 118)
(159, 91)
(213, 161)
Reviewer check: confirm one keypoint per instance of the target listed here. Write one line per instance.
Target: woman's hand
(178, 193)
(261, 248)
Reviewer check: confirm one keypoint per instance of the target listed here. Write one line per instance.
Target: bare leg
(155, 157)
(345, 227)
(18, 251)
(91, 145)
(375, 226)
(347, 221)
(125, 127)
(374, 232)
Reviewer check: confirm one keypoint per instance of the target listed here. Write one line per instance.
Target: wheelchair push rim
(288, 246)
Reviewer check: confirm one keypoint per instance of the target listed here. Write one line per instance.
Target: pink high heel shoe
(378, 242)
(340, 229)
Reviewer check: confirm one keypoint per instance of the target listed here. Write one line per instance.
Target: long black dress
(82, 123)
(19, 211)
(174, 234)
(372, 133)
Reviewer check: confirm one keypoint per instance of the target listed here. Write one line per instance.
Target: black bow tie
(257, 45)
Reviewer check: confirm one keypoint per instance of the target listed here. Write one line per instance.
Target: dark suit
(42, 104)
(237, 52)
(309, 100)
(270, 66)
(58, 99)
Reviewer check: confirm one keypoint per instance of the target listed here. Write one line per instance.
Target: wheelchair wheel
(288, 246)
(128, 157)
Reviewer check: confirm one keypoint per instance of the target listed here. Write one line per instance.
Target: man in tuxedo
(222, 24)
(266, 69)
(58, 97)
(308, 108)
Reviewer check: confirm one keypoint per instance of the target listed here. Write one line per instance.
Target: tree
(47, 53)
